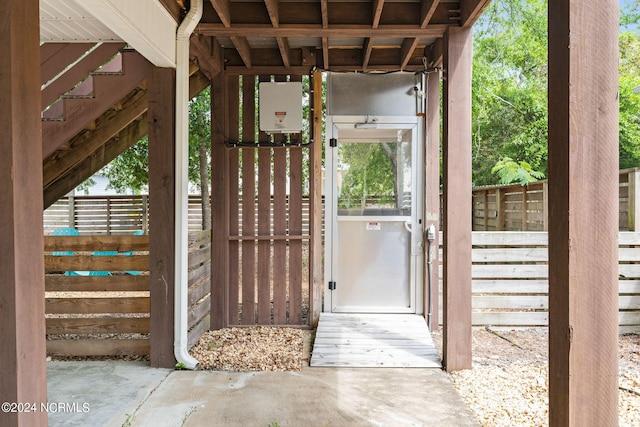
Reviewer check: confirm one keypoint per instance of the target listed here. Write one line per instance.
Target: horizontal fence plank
(503, 255)
(93, 325)
(96, 263)
(199, 310)
(118, 283)
(96, 243)
(98, 347)
(96, 305)
(197, 331)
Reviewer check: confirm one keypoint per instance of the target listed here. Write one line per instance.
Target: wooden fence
(97, 293)
(199, 285)
(510, 280)
(122, 215)
(518, 208)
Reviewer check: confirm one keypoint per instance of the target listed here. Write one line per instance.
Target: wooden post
(161, 119)
(22, 325)
(634, 199)
(219, 200)
(432, 193)
(500, 223)
(485, 203)
(457, 199)
(583, 213)
(315, 207)
(545, 205)
(524, 208)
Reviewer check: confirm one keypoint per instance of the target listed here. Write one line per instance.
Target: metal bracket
(333, 142)
(332, 285)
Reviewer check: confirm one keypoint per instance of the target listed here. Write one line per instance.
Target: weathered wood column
(22, 326)
(315, 191)
(219, 199)
(583, 213)
(432, 190)
(457, 198)
(161, 118)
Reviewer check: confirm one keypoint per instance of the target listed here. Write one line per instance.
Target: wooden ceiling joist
(324, 12)
(470, 11)
(222, 9)
(201, 52)
(429, 8)
(283, 45)
(377, 12)
(244, 49)
(406, 51)
(325, 52)
(366, 55)
(272, 10)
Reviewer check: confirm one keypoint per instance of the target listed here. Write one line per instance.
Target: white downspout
(183, 34)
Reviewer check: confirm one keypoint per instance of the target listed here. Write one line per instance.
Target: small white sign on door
(373, 226)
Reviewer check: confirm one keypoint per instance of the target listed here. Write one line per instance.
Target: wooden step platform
(374, 341)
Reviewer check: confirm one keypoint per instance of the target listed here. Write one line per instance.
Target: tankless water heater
(280, 107)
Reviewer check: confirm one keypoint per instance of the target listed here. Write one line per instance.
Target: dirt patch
(508, 384)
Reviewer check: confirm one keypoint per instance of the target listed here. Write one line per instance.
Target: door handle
(408, 226)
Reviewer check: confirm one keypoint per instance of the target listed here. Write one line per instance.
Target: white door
(374, 215)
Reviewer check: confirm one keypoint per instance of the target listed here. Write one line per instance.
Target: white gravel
(508, 385)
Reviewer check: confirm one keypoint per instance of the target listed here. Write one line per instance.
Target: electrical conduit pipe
(181, 297)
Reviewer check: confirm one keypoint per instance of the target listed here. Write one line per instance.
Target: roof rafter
(244, 49)
(406, 51)
(272, 9)
(222, 9)
(429, 8)
(470, 11)
(283, 45)
(366, 52)
(324, 11)
(377, 12)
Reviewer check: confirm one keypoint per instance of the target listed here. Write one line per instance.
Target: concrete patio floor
(133, 394)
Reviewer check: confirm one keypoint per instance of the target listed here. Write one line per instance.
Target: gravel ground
(258, 348)
(508, 384)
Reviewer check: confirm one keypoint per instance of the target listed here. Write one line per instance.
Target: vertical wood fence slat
(279, 229)
(295, 228)
(248, 202)
(233, 94)
(264, 227)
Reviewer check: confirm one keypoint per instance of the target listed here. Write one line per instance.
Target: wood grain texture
(22, 328)
(233, 95)
(457, 199)
(583, 189)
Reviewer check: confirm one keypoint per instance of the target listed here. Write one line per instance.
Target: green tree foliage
(629, 101)
(509, 87)
(370, 173)
(130, 169)
(510, 171)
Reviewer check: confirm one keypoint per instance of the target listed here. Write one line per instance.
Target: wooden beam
(366, 52)
(324, 12)
(429, 8)
(57, 56)
(457, 199)
(470, 11)
(285, 51)
(201, 52)
(295, 30)
(22, 323)
(377, 12)
(432, 191)
(220, 194)
(434, 53)
(406, 51)
(242, 46)
(272, 9)
(325, 52)
(78, 112)
(161, 126)
(583, 213)
(222, 9)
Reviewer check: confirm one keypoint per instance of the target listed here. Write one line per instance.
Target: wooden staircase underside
(103, 115)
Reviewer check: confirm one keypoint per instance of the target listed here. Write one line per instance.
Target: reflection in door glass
(374, 178)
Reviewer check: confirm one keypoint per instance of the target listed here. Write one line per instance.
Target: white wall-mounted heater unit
(280, 107)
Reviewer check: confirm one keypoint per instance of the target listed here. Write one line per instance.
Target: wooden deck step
(373, 341)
